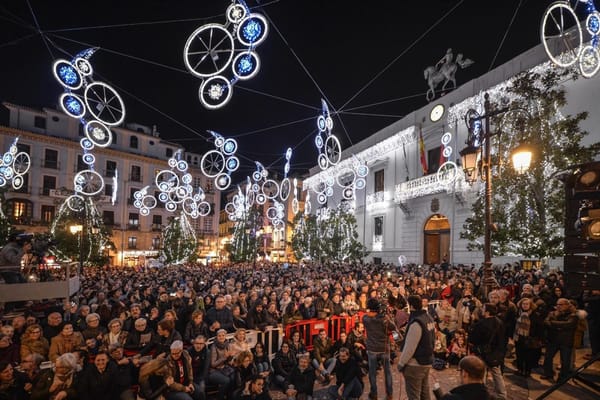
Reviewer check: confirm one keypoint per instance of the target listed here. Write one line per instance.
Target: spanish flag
(422, 152)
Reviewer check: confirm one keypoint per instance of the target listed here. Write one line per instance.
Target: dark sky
(355, 53)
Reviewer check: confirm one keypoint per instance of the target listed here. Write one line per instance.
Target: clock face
(436, 112)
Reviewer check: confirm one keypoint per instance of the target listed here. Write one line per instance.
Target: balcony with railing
(430, 184)
(378, 201)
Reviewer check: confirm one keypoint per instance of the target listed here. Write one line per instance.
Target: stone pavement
(518, 388)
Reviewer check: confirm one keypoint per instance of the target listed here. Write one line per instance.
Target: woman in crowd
(9, 352)
(93, 328)
(291, 314)
(30, 366)
(115, 335)
(66, 341)
(458, 347)
(154, 379)
(297, 346)
(58, 383)
(195, 327)
(33, 341)
(220, 372)
(244, 369)
(261, 360)
(283, 363)
(13, 384)
(239, 322)
(239, 343)
(447, 320)
(528, 336)
(98, 381)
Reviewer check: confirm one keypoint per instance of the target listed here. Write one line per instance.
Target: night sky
(366, 58)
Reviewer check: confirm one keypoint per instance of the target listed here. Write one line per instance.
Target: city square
(266, 215)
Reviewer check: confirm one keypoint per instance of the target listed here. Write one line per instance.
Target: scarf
(523, 326)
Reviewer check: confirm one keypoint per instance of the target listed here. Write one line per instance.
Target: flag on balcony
(422, 152)
(442, 158)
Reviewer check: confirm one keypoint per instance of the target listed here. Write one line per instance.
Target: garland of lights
(97, 106)
(350, 177)
(13, 166)
(175, 186)
(210, 51)
(562, 36)
(406, 136)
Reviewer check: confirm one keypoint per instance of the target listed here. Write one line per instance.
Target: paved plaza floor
(518, 388)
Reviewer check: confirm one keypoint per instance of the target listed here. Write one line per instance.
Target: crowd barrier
(310, 328)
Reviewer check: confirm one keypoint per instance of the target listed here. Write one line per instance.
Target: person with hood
(472, 372)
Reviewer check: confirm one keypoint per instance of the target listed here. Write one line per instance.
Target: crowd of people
(180, 331)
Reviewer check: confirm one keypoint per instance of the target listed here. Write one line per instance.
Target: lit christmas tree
(179, 241)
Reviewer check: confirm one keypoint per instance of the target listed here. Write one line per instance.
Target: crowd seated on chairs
(192, 332)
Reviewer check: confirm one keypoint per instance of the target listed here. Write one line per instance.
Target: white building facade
(406, 216)
(51, 138)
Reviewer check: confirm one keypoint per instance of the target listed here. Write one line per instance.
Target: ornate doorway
(436, 239)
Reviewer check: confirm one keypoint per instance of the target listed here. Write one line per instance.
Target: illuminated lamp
(521, 158)
(470, 156)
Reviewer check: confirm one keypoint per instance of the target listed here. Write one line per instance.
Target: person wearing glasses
(58, 383)
(254, 390)
(140, 336)
(180, 366)
(200, 363)
(32, 341)
(560, 326)
(93, 328)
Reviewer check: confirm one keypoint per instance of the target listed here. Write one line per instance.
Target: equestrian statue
(444, 71)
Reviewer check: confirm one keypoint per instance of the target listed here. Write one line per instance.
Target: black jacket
(101, 386)
(471, 391)
(303, 381)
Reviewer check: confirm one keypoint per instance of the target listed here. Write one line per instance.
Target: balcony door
(436, 239)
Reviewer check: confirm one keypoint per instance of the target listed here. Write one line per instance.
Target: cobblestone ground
(518, 388)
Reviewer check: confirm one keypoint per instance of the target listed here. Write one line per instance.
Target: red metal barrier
(310, 328)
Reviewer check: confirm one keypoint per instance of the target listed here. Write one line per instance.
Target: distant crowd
(144, 333)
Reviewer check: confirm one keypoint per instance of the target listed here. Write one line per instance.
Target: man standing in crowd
(560, 325)
(472, 372)
(487, 335)
(378, 327)
(417, 354)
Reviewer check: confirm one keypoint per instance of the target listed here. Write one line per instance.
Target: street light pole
(488, 276)
(470, 159)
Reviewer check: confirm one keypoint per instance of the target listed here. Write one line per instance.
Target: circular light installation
(211, 49)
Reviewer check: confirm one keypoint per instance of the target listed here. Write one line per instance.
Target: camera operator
(378, 326)
(12, 255)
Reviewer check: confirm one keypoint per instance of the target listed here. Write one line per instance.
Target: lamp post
(77, 229)
(472, 162)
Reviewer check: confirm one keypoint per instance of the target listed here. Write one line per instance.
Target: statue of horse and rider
(444, 71)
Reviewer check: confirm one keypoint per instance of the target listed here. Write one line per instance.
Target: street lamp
(472, 163)
(77, 229)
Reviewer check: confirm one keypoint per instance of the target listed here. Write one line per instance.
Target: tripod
(575, 375)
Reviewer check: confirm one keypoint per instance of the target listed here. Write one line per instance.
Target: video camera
(39, 246)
